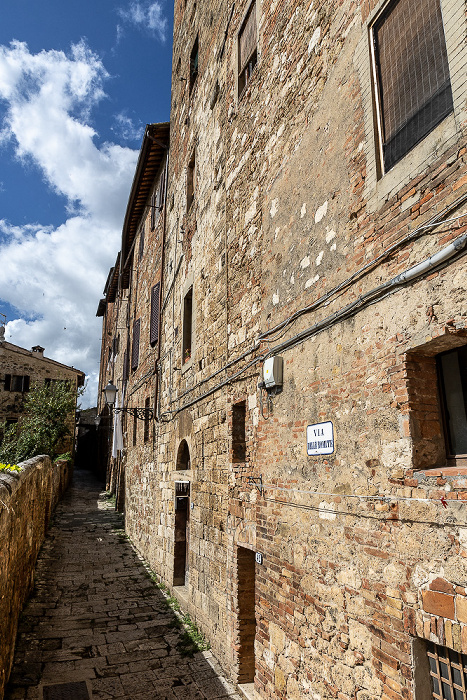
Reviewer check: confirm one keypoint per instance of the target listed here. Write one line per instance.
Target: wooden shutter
(247, 39)
(155, 309)
(125, 366)
(135, 347)
(413, 74)
(7, 382)
(26, 382)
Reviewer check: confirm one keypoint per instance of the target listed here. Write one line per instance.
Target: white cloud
(55, 276)
(127, 129)
(147, 15)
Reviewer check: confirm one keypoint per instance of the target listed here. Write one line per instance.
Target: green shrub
(47, 418)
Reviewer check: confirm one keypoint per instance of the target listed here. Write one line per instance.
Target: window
(135, 347)
(412, 82)
(238, 432)
(183, 457)
(452, 372)
(146, 419)
(154, 324)
(17, 382)
(190, 182)
(135, 427)
(247, 49)
(141, 243)
(448, 673)
(194, 64)
(187, 325)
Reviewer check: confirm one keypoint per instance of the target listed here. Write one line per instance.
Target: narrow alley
(96, 625)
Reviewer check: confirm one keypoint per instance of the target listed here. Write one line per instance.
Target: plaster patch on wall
(250, 213)
(333, 247)
(305, 262)
(252, 401)
(330, 235)
(311, 281)
(303, 210)
(292, 279)
(314, 40)
(319, 258)
(274, 208)
(275, 299)
(325, 514)
(321, 212)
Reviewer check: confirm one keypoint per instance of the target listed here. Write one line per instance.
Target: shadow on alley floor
(96, 626)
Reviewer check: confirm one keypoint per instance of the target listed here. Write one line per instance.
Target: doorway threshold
(247, 690)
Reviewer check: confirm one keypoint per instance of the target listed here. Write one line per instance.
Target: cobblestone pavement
(96, 626)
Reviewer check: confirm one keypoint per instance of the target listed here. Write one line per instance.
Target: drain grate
(66, 691)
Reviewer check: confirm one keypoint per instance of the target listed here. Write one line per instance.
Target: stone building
(21, 369)
(290, 320)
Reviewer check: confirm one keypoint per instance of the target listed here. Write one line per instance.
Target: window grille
(247, 48)
(448, 672)
(135, 347)
(187, 325)
(412, 71)
(154, 325)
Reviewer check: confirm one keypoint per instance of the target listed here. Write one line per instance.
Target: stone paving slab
(95, 621)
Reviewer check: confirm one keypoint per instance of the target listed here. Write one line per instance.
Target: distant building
(21, 369)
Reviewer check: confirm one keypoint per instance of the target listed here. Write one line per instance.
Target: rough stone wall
(18, 361)
(291, 231)
(27, 501)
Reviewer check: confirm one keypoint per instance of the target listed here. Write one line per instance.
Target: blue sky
(78, 83)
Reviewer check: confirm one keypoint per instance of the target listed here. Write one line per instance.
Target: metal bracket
(140, 413)
(256, 481)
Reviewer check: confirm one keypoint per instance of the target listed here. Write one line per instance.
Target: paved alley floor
(96, 626)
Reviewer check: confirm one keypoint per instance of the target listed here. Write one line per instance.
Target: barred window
(452, 372)
(413, 87)
(448, 672)
(247, 48)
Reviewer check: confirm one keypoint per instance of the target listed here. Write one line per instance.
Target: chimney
(37, 350)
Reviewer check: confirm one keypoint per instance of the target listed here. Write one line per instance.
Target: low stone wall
(27, 500)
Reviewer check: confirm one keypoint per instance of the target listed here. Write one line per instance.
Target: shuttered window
(17, 382)
(153, 211)
(125, 366)
(155, 307)
(412, 75)
(135, 346)
(247, 48)
(141, 244)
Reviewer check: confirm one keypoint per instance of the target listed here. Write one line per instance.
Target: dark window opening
(187, 325)
(183, 457)
(412, 75)
(190, 182)
(238, 432)
(135, 427)
(452, 371)
(155, 308)
(194, 64)
(181, 533)
(247, 49)
(141, 244)
(146, 419)
(17, 382)
(135, 347)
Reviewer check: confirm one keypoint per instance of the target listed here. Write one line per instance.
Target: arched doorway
(182, 518)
